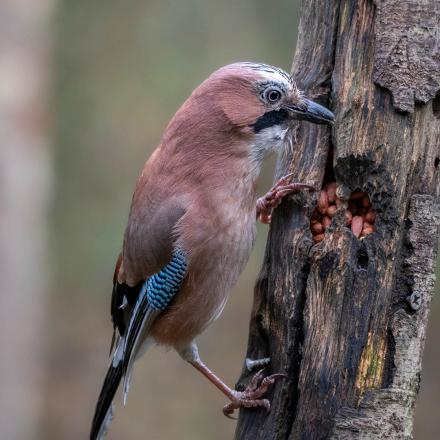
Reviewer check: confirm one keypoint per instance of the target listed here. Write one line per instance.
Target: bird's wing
(148, 246)
(134, 309)
(156, 293)
(124, 298)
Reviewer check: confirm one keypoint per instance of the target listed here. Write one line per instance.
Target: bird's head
(258, 101)
(261, 96)
(253, 101)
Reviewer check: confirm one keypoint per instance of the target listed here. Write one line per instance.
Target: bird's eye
(272, 95)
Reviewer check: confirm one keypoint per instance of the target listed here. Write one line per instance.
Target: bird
(192, 222)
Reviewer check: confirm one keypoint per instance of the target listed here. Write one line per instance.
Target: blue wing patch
(155, 295)
(163, 286)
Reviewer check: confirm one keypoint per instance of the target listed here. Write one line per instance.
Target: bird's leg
(283, 188)
(251, 397)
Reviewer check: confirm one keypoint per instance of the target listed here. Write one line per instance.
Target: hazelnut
(318, 238)
(331, 192)
(366, 231)
(366, 202)
(331, 210)
(317, 228)
(357, 225)
(322, 202)
(326, 221)
(370, 216)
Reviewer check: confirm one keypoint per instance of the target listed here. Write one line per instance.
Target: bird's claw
(251, 396)
(283, 188)
(252, 364)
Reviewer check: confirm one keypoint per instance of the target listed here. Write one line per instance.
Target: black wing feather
(103, 406)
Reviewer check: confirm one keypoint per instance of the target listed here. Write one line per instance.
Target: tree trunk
(24, 192)
(346, 318)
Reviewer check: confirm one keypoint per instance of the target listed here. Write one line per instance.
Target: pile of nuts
(359, 215)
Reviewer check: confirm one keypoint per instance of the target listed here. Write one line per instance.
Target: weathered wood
(388, 412)
(345, 319)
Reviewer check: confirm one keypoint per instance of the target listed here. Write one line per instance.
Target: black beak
(310, 111)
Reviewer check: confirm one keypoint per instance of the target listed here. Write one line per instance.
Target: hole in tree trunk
(362, 259)
(360, 216)
(327, 202)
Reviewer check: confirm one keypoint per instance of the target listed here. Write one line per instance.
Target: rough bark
(345, 319)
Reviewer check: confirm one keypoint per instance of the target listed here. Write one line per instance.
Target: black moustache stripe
(269, 119)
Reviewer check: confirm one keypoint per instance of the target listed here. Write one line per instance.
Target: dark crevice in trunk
(436, 107)
(298, 323)
(404, 282)
(329, 175)
(390, 366)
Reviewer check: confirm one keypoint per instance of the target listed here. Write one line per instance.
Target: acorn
(357, 225)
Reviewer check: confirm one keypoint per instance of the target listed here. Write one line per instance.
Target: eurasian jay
(192, 222)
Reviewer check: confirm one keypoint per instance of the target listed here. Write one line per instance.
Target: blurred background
(86, 89)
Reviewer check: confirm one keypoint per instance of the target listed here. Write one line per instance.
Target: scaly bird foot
(251, 396)
(283, 188)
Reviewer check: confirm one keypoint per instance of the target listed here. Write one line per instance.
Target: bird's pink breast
(219, 251)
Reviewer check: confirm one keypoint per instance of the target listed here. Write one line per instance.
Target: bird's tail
(104, 408)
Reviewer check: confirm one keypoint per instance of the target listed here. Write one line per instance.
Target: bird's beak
(307, 110)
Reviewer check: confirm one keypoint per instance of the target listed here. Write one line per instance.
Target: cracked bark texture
(345, 319)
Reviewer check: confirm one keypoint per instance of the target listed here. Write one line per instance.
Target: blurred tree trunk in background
(346, 318)
(24, 189)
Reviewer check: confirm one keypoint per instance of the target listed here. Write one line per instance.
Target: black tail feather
(108, 391)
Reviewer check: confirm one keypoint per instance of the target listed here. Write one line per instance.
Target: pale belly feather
(210, 280)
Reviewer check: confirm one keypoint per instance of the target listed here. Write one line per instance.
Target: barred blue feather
(162, 286)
